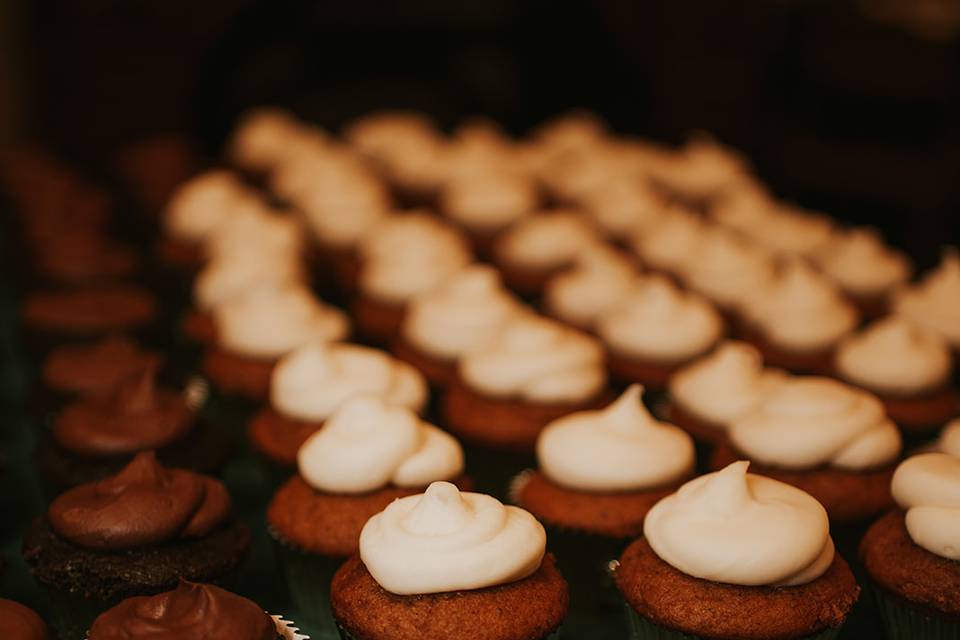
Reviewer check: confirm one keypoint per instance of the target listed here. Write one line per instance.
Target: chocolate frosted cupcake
(459, 315)
(17, 622)
(137, 532)
(935, 301)
(366, 456)
(736, 555)
(908, 368)
(191, 612)
(448, 564)
(83, 256)
(911, 554)
(595, 284)
(829, 439)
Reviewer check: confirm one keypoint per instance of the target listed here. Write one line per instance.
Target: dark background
(849, 106)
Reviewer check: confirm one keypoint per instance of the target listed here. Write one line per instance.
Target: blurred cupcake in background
(698, 173)
(621, 207)
(597, 281)
(935, 301)
(789, 232)
(261, 141)
(671, 246)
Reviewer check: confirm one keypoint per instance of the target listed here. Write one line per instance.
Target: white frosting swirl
(463, 313)
(623, 206)
(571, 131)
(488, 200)
(738, 528)
(728, 270)
(805, 422)
(789, 231)
(341, 210)
(263, 138)
(894, 356)
(724, 385)
(673, 244)
(444, 540)
(860, 262)
(659, 322)
(367, 445)
(928, 487)
(801, 310)
(537, 360)
(202, 203)
(267, 322)
(597, 282)
(314, 380)
(701, 169)
(949, 441)
(935, 302)
(547, 240)
(619, 448)
(230, 276)
(255, 230)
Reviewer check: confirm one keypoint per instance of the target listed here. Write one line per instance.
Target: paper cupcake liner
(346, 635)
(643, 629)
(903, 622)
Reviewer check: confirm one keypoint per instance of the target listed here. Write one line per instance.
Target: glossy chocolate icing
(17, 622)
(97, 367)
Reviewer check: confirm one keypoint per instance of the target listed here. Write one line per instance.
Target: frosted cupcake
(657, 329)
(798, 320)
(448, 564)
(622, 207)
(908, 367)
(829, 439)
(935, 302)
(736, 555)
(711, 392)
(790, 232)
(671, 246)
(699, 172)
(262, 140)
(367, 456)
(460, 315)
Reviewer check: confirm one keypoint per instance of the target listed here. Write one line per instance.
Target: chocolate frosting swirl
(17, 622)
(145, 504)
(97, 367)
(135, 416)
(189, 612)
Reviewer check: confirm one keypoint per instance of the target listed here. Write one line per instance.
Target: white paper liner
(287, 631)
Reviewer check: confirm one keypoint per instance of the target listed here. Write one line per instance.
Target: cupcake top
(204, 202)
(314, 380)
(17, 622)
(789, 231)
(728, 269)
(136, 415)
(862, 264)
(387, 134)
(488, 200)
(742, 208)
(536, 360)
(341, 212)
(701, 169)
(255, 232)
(548, 240)
(599, 279)
(97, 367)
(444, 540)
(619, 448)
(461, 314)
(573, 130)
(367, 445)
(927, 486)
(143, 505)
(895, 357)
(738, 528)
(935, 302)
(725, 384)
(405, 255)
(190, 612)
(807, 421)
(234, 274)
(659, 322)
(949, 441)
(672, 244)
(623, 206)
(314, 164)
(268, 322)
(801, 310)
(262, 138)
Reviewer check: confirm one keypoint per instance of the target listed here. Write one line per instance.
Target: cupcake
(461, 314)
(736, 555)
(656, 329)
(622, 207)
(599, 473)
(672, 245)
(798, 320)
(401, 257)
(908, 367)
(540, 246)
(367, 455)
(447, 564)
(865, 269)
(83, 256)
(98, 435)
(711, 392)
(137, 532)
(699, 172)
(789, 232)
(17, 622)
(262, 140)
(597, 281)
(829, 439)
(911, 554)
(191, 611)
(310, 383)
(935, 301)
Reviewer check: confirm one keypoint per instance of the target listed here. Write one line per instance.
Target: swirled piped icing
(461, 314)
(546, 240)
(314, 380)
(599, 279)
(202, 203)
(18, 622)
(949, 441)
(860, 262)
(807, 421)
(488, 200)
(262, 138)
(728, 269)
(893, 356)
(701, 169)
(723, 385)
(673, 244)
(538, 360)
(258, 231)
(619, 448)
(367, 445)
(739, 528)
(801, 310)
(444, 540)
(623, 206)
(227, 277)
(935, 302)
(659, 322)
(928, 487)
(789, 232)
(267, 322)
